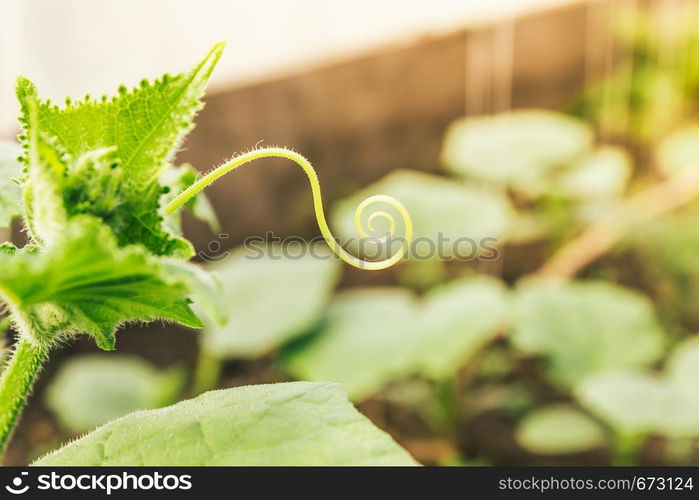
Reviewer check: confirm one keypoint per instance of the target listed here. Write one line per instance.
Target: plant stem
(207, 372)
(16, 384)
(626, 448)
(446, 396)
(310, 172)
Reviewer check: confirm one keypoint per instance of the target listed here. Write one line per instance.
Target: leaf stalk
(16, 383)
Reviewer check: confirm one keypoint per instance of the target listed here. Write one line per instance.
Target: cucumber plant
(104, 250)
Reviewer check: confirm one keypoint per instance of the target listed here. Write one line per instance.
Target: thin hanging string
(503, 62)
(501, 82)
(668, 47)
(301, 161)
(627, 12)
(685, 10)
(608, 98)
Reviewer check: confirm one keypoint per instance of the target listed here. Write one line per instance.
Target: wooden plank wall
(359, 119)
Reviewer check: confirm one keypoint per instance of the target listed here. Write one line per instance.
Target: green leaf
(370, 338)
(297, 423)
(177, 180)
(86, 284)
(95, 185)
(363, 343)
(683, 368)
(207, 289)
(636, 403)
(519, 149)
(457, 320)
(601, 175)
(439, 209)
(665, 248)
(679, 150)
(139, 220)
(113, 152)
(584, 327)
(10, 192)
(558, 430)
(146, 124)
(90, 390)
(92, 184)
(269, 299)
(45, 213)
(632, 403)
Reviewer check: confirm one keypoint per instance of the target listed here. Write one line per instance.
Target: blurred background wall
(360, 87)
(70, 47)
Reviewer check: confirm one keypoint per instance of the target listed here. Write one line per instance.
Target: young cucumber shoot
(105, 248)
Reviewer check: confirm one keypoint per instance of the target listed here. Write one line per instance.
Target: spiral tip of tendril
(405, 218)
(258, 152)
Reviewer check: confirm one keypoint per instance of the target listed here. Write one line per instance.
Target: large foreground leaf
(281, 424)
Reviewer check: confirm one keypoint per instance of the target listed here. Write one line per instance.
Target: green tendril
(300, 160)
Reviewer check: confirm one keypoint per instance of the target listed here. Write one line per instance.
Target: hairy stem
(300, 160)
(16, 384)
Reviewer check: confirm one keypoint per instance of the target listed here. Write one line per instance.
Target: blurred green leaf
(372, 337)
(631, 403)
(270, 299)
(670, 242)
(518, 149)
(665, 252)
(679, 151)
(363, 342)
(88, 391)
(298, 423)
(683, 368)
(583, 327)
(455, 321)
(602, 174)
(636, 403)
(10, 192)
(436, 205)
(557, 430)
(207, 289)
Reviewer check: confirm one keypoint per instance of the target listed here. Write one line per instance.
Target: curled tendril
(374, 215)
(301, 161)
